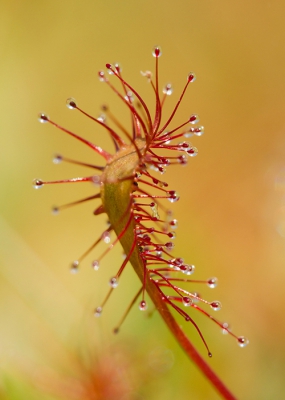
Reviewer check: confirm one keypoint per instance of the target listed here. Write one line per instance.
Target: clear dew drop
(194, 119)
(182, 160)
(242, 341)
(187, 301)
(216, 305)
(147, 74)
(162, 184)
(173, 223)
(212, 282)
(154, 168)
(114, 282)
(168, 90)
(118, 67)
(196, 297)
(74, 267)
(156, 51)
(225, 329)
(177, 262)
(173, 196)
(191, 77)
(57, 159)
(95, 265)
(96, 179)
(98, 311)
(165, 162)
(143, 305)
(169, 245)
(38, 183)
(106, 237)
(199, 130)
(183, 268)
(101, 75)
(192, 152)
(109, 66)
(169, 215)
(43, 118)
(130, 97)
(71, 103)
(189, 270)
(102, 118)
(55, 210)
(184, 146)
(190, 132)
(171, 235)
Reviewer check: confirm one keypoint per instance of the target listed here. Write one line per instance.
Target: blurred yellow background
(231, 212)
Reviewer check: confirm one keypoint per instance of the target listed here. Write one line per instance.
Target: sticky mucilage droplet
(71, 103)
(242, 341)
(114, 282)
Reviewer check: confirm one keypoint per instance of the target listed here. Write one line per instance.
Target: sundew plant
(136, 200)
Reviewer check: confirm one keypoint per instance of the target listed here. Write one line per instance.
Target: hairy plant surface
(133, 196)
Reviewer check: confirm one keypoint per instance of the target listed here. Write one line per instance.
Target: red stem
(191, 351)
(179, 335)
(200, 362)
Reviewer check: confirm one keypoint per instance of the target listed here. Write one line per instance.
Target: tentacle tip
(55, 210)
(191, 77)
(114, 282)
(242, 341)
(38, 183)
(101, 75)
(156, 51)
(74, 267)
(43, 118)
(57, 159)
(98, 312)
(143, 305)
(71, 103)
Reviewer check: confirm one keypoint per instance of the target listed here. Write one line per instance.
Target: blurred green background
(231, 212)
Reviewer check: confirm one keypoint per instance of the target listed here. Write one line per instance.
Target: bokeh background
(231, 212)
